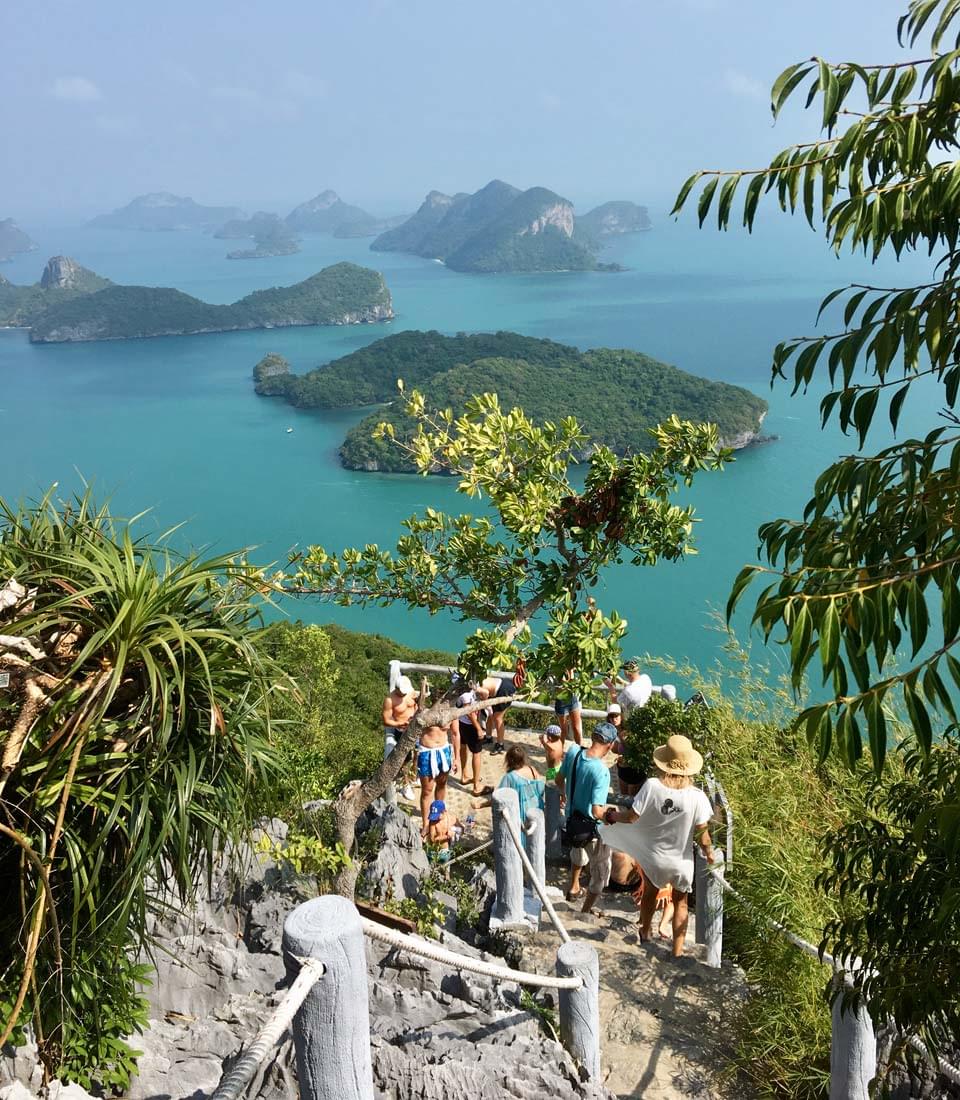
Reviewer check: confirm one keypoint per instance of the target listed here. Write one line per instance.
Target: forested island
(616, 395)
(328, 213)
(13, 240)
(270, 235)
(501, 228)
(75, 304)
(161, 211)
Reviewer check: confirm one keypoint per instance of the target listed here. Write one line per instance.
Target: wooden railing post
(580, 1008)
(331, 1030)
(553, 823)
(853, 1051)
(508, 904)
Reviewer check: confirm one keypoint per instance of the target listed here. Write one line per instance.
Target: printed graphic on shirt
(668, 807)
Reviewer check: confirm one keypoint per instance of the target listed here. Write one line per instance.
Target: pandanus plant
(134, 723)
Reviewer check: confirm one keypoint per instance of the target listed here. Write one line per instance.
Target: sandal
(575, 895)
(482, 794)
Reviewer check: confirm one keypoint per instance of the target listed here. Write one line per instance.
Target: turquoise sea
(173, 425)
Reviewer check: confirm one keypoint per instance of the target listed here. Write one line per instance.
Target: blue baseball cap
(553, 731)
(606, 732)
(437, 810)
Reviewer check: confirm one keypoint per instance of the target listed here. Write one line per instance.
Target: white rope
(466, 855)
(535, 882)
(233, 1083)
(461, 962)
(950, 1072)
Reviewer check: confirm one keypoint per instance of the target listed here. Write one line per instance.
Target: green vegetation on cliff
(615, 394)
(62, 281)
(341, 294)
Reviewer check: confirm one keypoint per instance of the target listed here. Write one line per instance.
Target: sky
(262, 105)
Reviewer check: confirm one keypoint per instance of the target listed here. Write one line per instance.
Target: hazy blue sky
(254, 103)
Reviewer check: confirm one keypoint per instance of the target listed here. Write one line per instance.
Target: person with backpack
(584, 781)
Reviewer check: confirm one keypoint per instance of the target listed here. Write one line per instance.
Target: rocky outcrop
(559, 215)
(435, 1034)
(63, 273)
(612, 219)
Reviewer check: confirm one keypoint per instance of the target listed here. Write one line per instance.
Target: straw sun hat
(678, 756)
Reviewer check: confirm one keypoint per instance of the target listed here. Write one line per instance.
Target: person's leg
(679, 922)
(562, 719)
(463, 762)
(441, 787)
(578, 860)
(427, 787)
(666, 917)
(576, 722)
(648, 904)
(499, 721)
(601, 858)
(477, 758)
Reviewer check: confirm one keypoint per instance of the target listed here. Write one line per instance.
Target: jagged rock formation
(612, 219)
(63, 279)
(63, 273)
(435, 1034)
(13, 240)
(500, 228)
(162, 211)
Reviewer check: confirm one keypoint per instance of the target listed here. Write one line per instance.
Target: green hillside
(341, 294)
(616, 396)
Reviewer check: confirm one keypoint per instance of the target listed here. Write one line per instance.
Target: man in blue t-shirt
(584, 780)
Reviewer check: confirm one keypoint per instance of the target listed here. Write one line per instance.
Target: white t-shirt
(661, 839)
(635, 694)
(465, 700)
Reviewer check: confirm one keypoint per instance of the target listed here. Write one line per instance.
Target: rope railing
(236, 1080)
(476, 850)
(461, 962)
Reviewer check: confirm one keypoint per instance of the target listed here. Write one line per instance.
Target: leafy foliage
(875, 560)
(541, 545)
(876, 548)
(342, 291)
(617, 397)
(896, 874)
(21, 305)
(649, 726)
(134, 732)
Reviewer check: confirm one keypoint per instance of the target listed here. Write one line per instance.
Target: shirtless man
(398, 708)
(436, 759)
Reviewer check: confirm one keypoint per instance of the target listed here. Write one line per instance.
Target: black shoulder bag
(578, 830)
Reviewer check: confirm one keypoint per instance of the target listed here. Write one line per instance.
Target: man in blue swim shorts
(436, 759)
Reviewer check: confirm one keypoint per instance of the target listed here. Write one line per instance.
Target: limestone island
(615, 394)
(71, 303)
(270, 235)
(502, 229)
(162, 212)
(13, 240)
(328, 213)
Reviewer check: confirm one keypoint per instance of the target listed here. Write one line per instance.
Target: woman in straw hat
(659, 830)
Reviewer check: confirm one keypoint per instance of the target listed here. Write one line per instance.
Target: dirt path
(665, 1024)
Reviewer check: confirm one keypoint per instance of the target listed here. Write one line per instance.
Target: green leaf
(744, 577)
(706, 197)
(785, 84)
(829, 639)
(684, 192)
(896, 404)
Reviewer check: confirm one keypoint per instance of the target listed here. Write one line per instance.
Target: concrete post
(331, 1031)
(553, 822)
(580, 1008)
(853, 1052)
(508, 905)
(700, 893)
(535, 842)
(710, 909)
(389, 744)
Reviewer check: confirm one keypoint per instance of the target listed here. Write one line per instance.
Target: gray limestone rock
(400, 861)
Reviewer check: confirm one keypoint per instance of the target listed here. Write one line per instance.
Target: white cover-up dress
(661, 839)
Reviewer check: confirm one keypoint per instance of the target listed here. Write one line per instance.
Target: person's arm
(702, 833)
(601, 791)
(613, 815)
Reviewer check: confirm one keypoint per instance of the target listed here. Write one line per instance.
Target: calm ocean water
(173, 424)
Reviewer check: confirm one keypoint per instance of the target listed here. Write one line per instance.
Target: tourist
(633, 690)
(495, 722)
(469, 729)
(443, 829)
(584, 780)
(522, 777)
(658, 832)
(629, 780)
(552, 741)
(436, 759)
(398, 708)
(566, 706)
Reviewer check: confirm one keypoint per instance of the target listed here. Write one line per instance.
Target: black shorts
(634, 777)
(506, 688)
(471, 738)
